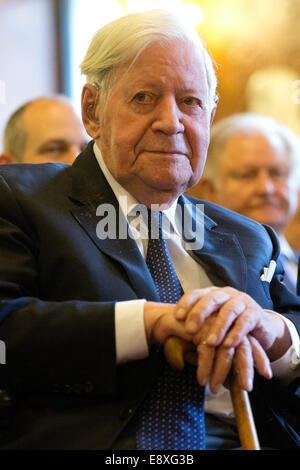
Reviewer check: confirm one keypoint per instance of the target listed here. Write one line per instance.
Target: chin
(171, 186)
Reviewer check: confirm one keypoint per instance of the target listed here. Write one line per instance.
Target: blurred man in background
(252, 168)
(43, 130)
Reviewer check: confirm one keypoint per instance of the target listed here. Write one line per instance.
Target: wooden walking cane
(175, 349)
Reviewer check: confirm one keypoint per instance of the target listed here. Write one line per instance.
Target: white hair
(249, 124)
(124, 39)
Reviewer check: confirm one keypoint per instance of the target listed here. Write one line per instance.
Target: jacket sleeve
(49, 344)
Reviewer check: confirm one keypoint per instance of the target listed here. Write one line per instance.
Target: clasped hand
(225, 326)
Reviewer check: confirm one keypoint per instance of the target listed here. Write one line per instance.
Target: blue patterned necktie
(172, 416)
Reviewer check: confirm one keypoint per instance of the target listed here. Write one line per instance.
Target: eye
(191, 105)
(143, 98)
(279, 173)
(244, 174)
(54, 148)
(191, 101)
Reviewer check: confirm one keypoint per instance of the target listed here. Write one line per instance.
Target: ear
(89, 106)
(213, 112)
(5, 158)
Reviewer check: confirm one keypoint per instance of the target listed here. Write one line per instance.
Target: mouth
(265, 204)
(169, 152)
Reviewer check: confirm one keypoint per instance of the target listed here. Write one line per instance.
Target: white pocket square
(269, 272)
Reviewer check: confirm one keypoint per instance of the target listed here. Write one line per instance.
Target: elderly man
(99, 281)
(43, 130)
(253, 167)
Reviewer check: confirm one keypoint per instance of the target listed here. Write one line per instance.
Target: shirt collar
(286, 249)
(126, 200)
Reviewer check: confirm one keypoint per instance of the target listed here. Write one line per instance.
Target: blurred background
(255, 44)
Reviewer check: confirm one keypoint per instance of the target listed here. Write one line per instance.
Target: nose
(265, 183)
(168, 117)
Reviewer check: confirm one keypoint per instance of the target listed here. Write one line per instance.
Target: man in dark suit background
(253, 168)
(80, 314)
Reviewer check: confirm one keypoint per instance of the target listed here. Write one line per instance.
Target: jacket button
(125, 413)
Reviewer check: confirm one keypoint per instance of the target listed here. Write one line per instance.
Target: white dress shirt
(131, 342)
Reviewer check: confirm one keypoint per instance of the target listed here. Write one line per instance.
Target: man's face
(53, 133)
(154, 126)
(255, 178)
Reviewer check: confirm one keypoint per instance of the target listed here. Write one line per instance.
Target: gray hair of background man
(249, 124)
(14, 134)
(124, 39)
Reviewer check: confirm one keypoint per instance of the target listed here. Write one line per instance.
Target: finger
(261, 360)
(226, 317)
(244, 364)
(205, 363)
(188, 300)
(202, 333)
(207, 305)
(165, 325)
(222, 366)
(244, 324)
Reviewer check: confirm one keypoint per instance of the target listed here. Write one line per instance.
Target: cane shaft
(243, 415)
(175, 348)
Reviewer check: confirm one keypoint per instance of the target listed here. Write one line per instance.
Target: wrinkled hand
(214, 363)
(236, 316)
(160, 323)
(225, 326)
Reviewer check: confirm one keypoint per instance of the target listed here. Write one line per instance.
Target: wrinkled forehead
(176, 56)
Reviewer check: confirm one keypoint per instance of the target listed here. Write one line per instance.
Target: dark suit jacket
(58, 286)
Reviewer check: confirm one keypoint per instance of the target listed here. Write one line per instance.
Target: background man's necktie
(172, 416)
(290, 278)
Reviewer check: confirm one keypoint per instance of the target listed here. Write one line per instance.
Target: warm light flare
(190, 13)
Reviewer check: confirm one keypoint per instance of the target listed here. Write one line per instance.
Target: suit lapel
(90, 190)
(220, 256)
(219, 253)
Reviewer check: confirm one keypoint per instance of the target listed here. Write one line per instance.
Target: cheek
(124, 136)
(233, 195)
(198, 143)
(291, 196)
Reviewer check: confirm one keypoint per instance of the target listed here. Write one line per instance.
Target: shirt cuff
(287, 366)
(131, 340)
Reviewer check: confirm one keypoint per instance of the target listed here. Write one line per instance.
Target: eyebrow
(156, 85)
(54, 141)
(58, 142)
